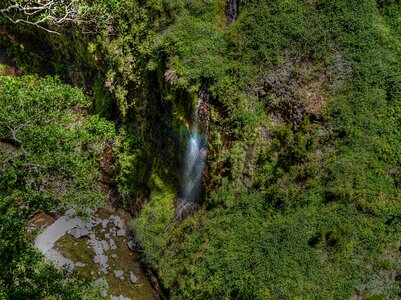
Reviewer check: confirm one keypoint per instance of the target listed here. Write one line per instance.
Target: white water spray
(195, 157)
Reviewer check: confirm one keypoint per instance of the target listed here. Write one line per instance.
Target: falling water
(195, 156)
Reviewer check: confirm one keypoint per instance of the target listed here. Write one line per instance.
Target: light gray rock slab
(100, 259)
(118, 222)
(45, 241)
(80, 265)
(133, 277)
(88, 226)
(118, 273)
(79, 232)
(96, 246)
(121, 232)
(112, 244)
(58, 259)
(121, 297)
(105, 245)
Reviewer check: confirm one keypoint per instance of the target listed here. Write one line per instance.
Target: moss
(126, 260)
(152, 227)
(3, 70)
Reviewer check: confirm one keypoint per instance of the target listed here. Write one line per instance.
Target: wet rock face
(232, 11)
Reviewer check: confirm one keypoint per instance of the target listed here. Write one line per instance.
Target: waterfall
(195, 156)
(232, 11)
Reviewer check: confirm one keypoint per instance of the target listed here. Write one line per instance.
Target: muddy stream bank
(100, 249)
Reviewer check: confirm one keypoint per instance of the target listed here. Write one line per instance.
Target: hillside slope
(302, 187)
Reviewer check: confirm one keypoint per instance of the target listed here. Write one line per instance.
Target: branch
(51, 12)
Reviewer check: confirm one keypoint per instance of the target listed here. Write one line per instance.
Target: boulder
(100, 259)
(118, 222)
(79, 232)
(118, 273)
(113, 245)
(96, 246)
(89, 226)
(105, 245)
(121, 297)
(133, 277)
(131, 245)
(121, 232)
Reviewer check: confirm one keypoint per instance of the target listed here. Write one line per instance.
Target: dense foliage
(303, 183)
(305, 153)
(50, 152)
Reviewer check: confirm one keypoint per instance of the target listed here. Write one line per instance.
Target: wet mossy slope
(302, 188)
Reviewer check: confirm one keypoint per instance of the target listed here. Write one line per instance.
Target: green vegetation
(303, 183)
(309, 191)
(50, 152)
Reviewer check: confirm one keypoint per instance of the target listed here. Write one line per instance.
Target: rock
(56, 257)
(92, 273)
(104, 271)
(121, 297)
(104, 223)
(89, 226)
(118, 273)
(121, 232)
(96, 246)
(113, 245)
(105, 245)
(98, 221)
(79, 232)
(79, 264)
(107, 235)
(100, 259)
(114, 255)
(133, 278)
(103, 285)
(131, 245)
(118, 222)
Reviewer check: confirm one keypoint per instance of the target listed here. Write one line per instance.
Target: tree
(50, 14)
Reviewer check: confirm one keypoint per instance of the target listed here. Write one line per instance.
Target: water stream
(195, 156)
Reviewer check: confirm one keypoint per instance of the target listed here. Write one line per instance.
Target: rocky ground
(98, 248)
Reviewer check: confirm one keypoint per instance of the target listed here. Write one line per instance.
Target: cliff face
(301, 188)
